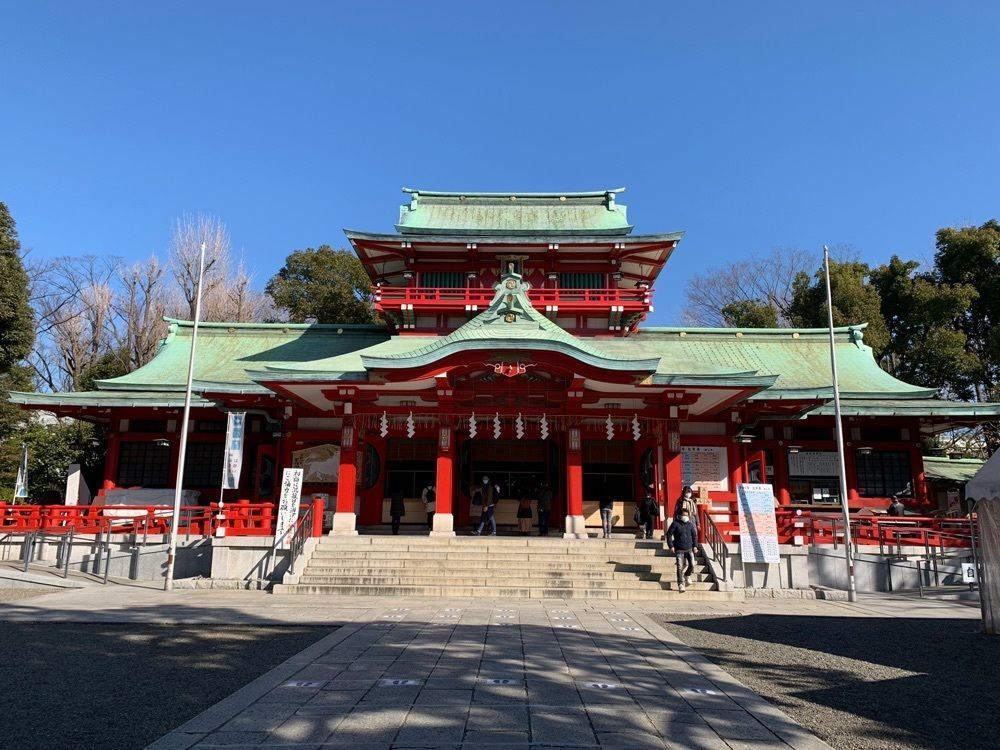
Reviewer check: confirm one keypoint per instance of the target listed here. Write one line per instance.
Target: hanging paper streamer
(472, 425)
(410, 429)
(496, 426)
(543, 426)
(383, 425)
(611, 427)
(636, 432)
(519, 426)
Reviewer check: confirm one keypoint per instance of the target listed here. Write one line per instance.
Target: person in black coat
(397, 508)
(682, 540)
(647, 513)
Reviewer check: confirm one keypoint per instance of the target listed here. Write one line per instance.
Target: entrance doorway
(517, 467)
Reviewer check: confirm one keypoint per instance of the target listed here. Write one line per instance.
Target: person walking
(682, 540)
(896, 507)
(524, 514)
(429, 498)
(489, 509)
(647, 513)
(605, 504)
(397, 508)
(686, 502)
(544, 506)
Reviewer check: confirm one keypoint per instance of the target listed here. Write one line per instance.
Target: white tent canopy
(986, 482)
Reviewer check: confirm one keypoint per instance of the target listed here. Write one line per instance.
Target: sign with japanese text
(233, 462)
(758, 525)
(814, 464)
(705, 467)
(288, 505)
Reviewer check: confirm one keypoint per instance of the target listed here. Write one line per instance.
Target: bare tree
(185, 250)
(763, 279)
(142, 303)
(74, 302)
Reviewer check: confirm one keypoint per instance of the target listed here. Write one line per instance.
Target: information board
(705, 467)
(288, 505)
(758, 525)
(814, 464)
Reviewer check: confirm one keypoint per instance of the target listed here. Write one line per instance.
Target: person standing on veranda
(397, 508)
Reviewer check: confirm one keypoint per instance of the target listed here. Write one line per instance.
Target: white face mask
(687, 495)
(486, 481)
(685, 519)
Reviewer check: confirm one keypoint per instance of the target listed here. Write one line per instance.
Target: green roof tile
(431, 212)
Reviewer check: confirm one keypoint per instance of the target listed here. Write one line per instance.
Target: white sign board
(234, 450)
(288, 506)
(705, 467)
(954, 502)
(758, 525)
(813, 464)
(969, 573)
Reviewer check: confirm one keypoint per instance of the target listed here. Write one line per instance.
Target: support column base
(344, 524)
(444, 524)
(576, 528)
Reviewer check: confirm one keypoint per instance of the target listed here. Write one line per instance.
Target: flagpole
(852, 594)
(168, 583)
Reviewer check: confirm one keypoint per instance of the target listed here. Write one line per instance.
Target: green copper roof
(226, 351)
(951, 469)
(441, 213)
(147, 399)
(909, 407)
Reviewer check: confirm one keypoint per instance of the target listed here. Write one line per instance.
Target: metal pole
(168, 583)
(852, 594)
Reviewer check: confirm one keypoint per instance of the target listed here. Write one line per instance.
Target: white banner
(233, 461)
(288, 505)
(758, 526)
(21, 483)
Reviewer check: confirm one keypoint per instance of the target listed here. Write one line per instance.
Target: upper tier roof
(512, 214)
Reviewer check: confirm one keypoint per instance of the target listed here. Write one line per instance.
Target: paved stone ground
(450, 647)
(523, 674)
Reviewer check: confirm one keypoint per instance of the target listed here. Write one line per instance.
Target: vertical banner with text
(233, 462)
(21, 483)
(758, 525)
(288, 505)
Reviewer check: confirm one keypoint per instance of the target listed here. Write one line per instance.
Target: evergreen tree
(17, 323)
(326, 284)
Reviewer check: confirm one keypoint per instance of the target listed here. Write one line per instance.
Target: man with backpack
(429, 496)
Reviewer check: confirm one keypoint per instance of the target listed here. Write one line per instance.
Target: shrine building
(514, 348)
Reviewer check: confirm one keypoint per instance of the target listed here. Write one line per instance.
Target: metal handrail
(296, 543)
(716, 540)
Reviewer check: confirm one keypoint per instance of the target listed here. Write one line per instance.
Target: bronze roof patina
(513, 214)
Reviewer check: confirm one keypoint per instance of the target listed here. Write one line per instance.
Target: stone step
(474, 555)
(493, 592)
(567, 583)
(605, 571)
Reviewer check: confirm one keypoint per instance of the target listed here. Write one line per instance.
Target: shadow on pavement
(881, 682)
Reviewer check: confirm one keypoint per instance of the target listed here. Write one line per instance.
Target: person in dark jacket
(544, 506)
(606, 504)
(648, 512)
(397, 509)
(682, 540)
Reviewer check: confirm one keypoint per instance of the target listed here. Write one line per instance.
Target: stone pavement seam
(219, 713)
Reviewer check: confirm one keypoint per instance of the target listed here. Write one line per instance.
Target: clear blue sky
(750, 126)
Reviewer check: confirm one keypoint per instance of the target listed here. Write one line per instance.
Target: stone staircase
(496, 567)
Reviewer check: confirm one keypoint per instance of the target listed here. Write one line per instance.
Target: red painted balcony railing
(885, 532)
(452, 297)
(238, 519)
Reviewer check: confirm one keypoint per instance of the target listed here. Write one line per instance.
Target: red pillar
(851, 473)
(345, 519)
(444, 519)
(575, 527)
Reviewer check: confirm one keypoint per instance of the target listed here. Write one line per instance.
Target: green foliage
(51, 449)
(111, 365)
(925, 346)
(750, 314)
(854, 301)
(17, 323)
(326, 284)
